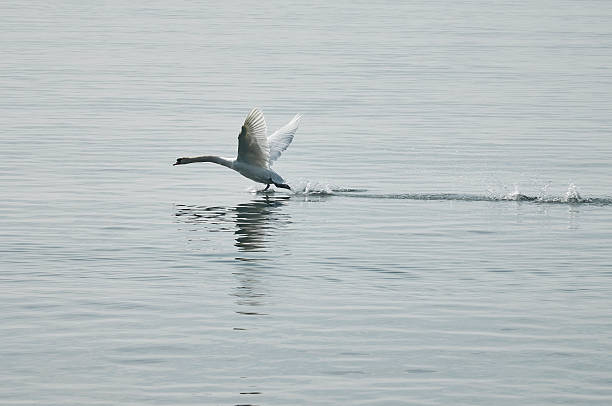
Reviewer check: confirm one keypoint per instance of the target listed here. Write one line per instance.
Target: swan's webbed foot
(283, 185)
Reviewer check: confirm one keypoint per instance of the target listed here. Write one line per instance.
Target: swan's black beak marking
(178, 162)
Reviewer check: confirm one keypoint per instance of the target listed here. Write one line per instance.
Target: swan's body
(256, 151)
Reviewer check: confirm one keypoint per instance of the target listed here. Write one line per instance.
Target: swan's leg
(267, 187)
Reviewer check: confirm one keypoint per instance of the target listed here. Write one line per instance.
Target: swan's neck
(209, 158)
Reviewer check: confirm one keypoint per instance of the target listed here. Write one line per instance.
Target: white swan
(256, 151)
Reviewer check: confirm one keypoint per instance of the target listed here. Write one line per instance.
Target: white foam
(572, 195)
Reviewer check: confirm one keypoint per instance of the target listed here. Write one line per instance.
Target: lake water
(447, 241)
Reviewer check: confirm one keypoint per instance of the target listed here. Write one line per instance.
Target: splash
(314, 188)
(516, 195)
(572, 195)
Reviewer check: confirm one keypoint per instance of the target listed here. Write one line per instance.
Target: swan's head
(179, 161)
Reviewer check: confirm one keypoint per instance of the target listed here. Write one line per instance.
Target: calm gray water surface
(448, 238)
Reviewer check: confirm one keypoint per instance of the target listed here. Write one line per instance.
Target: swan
(256, 151)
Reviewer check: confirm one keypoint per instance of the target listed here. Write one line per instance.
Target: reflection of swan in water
(252, 224)
(254, 221)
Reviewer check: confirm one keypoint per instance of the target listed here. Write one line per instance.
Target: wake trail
(602, 201)
(571, 197)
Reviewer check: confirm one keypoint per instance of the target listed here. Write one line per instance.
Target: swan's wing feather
(280, 140)
(253, 146)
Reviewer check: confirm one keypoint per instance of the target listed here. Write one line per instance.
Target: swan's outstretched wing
(253, 146)
(280, 140)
